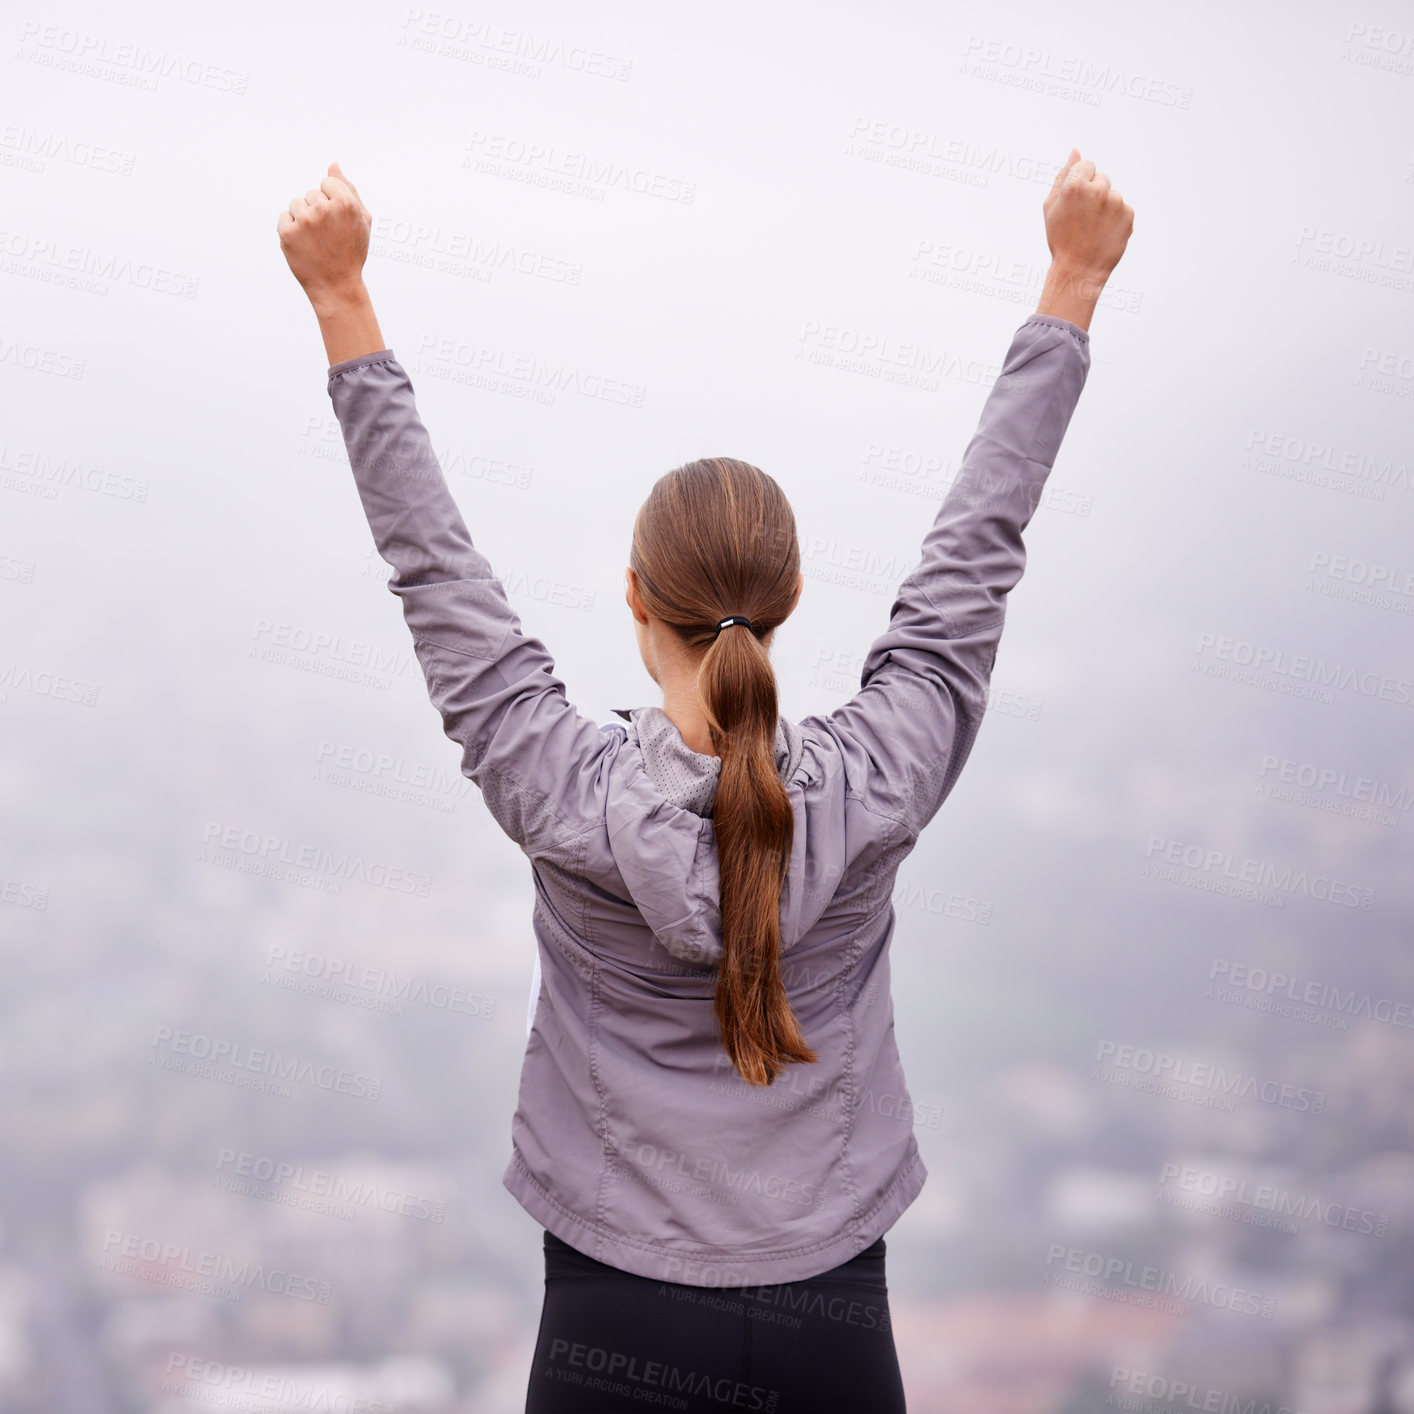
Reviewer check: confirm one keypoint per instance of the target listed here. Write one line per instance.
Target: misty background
(1154, 964)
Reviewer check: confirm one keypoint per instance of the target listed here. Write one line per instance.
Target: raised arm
(908, 732)
(536, 759)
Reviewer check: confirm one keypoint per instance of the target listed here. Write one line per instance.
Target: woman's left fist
(324, 235)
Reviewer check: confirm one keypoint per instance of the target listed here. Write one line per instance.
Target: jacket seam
(847, 1174)
(1079, 335)
(576, 848)
(1057, 394)
(596, 999)
(555, 933)
(493, 657)
(362, 363)
(605, 1233)
(899, 820)
(562, 830)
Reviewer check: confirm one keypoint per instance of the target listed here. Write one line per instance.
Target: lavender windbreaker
(634, 1140)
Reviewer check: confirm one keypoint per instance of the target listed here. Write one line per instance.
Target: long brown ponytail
(717, 537)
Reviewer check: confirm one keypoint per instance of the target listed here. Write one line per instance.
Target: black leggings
(611, 1340)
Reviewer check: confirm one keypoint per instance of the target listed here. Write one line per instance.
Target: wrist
(347, 322)
(1071, 292)
(1073, 277)
(333, 300)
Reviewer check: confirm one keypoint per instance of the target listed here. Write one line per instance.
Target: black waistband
(864, 1268)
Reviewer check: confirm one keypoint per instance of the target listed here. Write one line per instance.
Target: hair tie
(734, 619)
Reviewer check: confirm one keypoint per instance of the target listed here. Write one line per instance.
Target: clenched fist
(1088, 223)
(324, 235)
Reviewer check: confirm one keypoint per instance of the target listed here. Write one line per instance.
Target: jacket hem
(347, 365)
(1055, 320)
(712, 1266)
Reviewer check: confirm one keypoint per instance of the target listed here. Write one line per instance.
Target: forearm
(416, 525)
(925, 680)
(973, 554)
(347, 322)
(1070, 292)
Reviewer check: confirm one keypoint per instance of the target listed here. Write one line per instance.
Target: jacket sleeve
(536, 760)
(907, 733)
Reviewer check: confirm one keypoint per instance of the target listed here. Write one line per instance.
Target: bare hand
(1088, 223)
(324, 235)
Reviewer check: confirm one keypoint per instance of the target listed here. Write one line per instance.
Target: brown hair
(717, 537)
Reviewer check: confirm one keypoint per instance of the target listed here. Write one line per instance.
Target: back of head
(717, 537)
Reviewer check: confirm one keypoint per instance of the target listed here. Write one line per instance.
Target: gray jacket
(634, 1140)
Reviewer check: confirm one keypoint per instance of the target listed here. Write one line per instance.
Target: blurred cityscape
(1088, 1240)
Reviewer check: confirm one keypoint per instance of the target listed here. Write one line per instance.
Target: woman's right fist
(324, 235)
(1087, 221)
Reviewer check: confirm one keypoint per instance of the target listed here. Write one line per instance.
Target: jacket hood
(664, 843)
